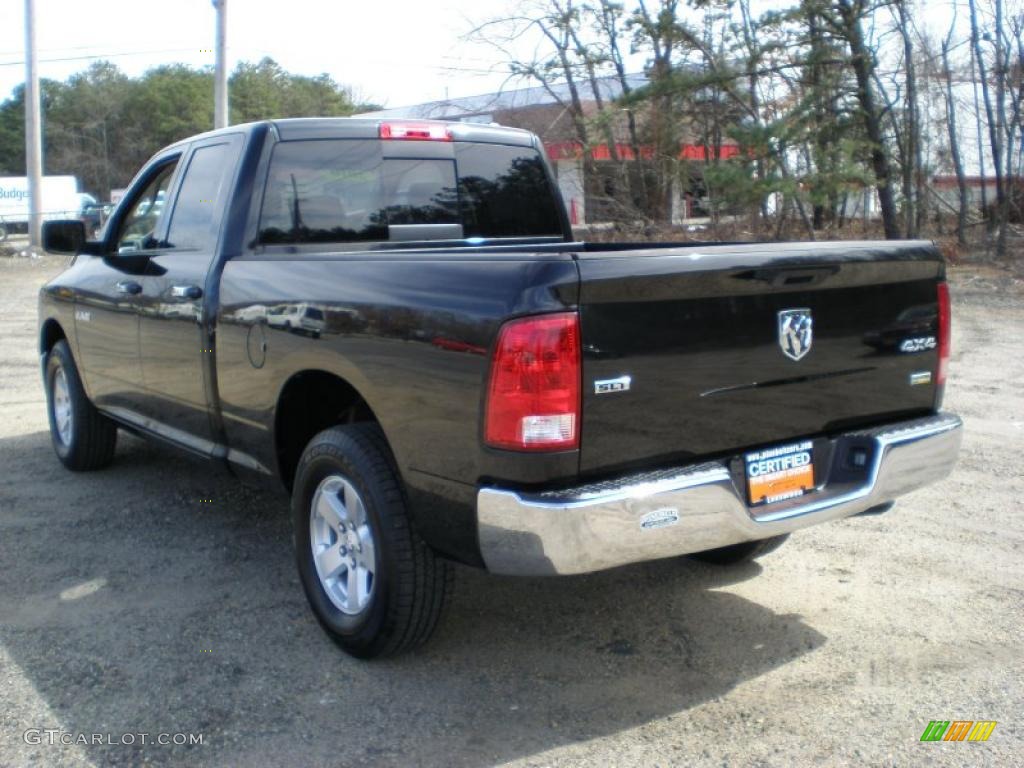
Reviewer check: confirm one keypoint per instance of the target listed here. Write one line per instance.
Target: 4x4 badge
(796, 332)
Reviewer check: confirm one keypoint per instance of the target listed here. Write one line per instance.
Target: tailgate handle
(787, 278)
(797, 279)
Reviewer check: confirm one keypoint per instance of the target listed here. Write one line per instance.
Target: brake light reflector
(415, 131)
(533, 400)
(944, 334)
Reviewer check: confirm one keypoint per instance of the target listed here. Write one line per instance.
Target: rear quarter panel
(412, 334)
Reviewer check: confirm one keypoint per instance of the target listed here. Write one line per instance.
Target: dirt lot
(128, 606)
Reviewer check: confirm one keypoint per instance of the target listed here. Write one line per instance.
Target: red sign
(573, 150)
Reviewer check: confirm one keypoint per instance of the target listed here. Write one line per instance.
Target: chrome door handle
(186, 291)
(129, 287)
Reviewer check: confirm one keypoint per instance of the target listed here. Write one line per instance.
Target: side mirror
(63, 236)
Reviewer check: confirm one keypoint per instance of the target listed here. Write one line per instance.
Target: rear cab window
(350, 191)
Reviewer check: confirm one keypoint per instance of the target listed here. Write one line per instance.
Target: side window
(136, 232)
(200, 202)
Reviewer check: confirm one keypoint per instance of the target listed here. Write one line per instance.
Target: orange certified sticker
(780, 473)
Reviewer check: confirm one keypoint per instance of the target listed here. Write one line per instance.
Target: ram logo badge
(604, 386)
(795, 332)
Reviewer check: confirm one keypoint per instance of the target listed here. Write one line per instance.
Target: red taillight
(944, 333)
(533, 402)
(415, 131)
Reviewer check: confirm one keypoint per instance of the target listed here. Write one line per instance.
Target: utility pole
(220, 71)
(33, 132)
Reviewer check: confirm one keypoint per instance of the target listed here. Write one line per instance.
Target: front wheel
(375, 587)
(83, 438)
(742, 552)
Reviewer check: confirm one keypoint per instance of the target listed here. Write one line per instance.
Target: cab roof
(293, 129)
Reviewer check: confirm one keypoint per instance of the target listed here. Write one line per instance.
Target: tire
(82, 437)
(743, 552)
(375, 587)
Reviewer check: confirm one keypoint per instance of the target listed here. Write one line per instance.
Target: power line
(100, 56)
(52, 50)
(103, 56)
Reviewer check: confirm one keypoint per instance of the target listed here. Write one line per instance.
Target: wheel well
(50, 335)
(311, 402)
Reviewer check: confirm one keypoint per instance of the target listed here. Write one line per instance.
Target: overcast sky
(391, 52)
(394, 52)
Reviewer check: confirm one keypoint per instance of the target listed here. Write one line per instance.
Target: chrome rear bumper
(700, 507)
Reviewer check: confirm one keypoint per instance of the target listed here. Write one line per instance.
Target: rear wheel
(742, 552)
(83, 438)
(375, 587)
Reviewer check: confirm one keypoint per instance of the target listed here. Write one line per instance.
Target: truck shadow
(153, 597)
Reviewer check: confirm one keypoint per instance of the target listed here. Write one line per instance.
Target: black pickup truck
(392, 321)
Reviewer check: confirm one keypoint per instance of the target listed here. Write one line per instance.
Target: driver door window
(139, 225)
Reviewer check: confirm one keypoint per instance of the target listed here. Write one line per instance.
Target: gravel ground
(128, 606)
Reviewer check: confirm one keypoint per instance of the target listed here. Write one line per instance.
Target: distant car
(911, 331)
(301, 319)
(94, 216)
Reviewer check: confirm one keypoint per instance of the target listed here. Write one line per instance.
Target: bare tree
(913, 177)
(846, 24)
(954, 137)
(995, 141)
(555, 65)
(659, 30)
(824, 98)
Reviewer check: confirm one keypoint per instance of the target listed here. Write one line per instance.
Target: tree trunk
(863, 64)
(978, 135)
(954, 144)
(1001, 69)
(609, 27)
(995, 140)
(912, 167)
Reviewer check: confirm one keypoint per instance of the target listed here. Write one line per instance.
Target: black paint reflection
(918, 323)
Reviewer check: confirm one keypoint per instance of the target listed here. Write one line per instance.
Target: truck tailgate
(697, 331)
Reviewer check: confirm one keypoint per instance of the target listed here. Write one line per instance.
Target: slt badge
(796, 332)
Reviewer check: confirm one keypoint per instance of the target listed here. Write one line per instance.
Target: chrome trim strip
(171, 434)
(588, 530)
(247, 461)
(185, 440)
